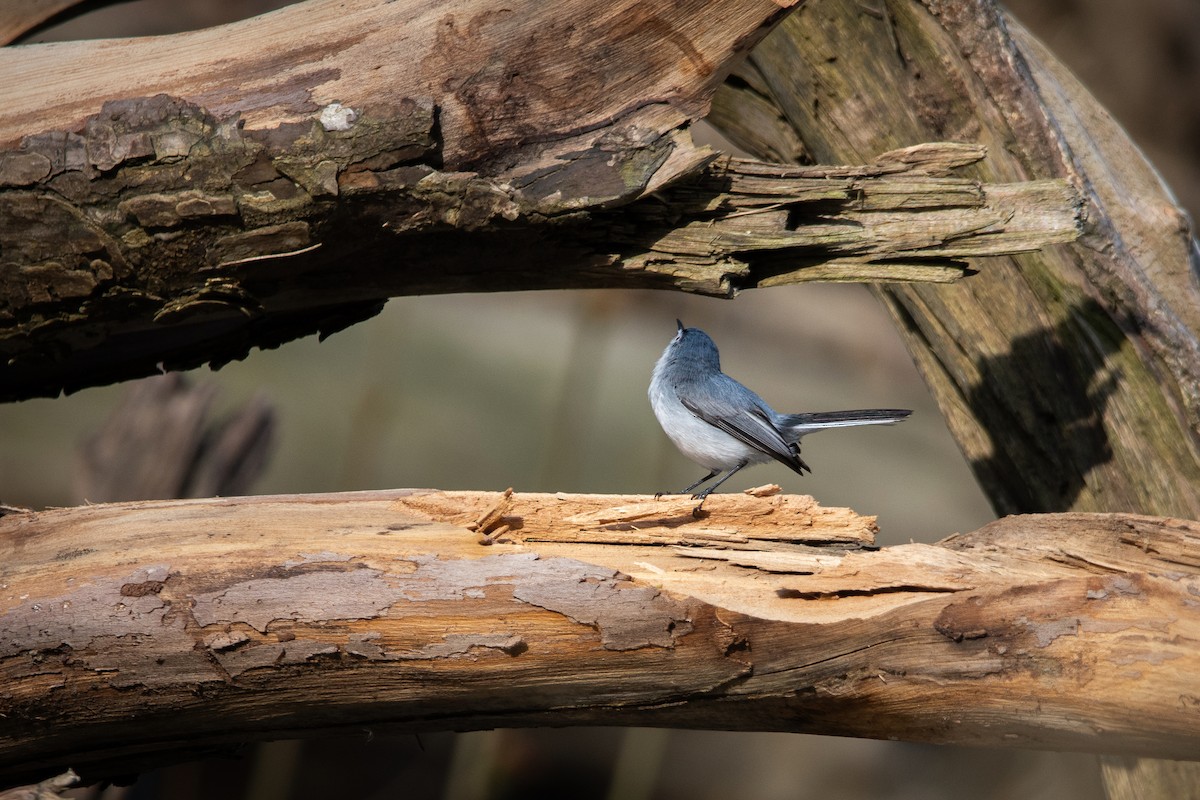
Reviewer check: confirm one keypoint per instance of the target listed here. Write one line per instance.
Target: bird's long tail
(801, 424)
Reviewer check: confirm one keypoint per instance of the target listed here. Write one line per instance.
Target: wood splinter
(1068, 631)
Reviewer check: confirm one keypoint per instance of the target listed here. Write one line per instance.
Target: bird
(723, 426)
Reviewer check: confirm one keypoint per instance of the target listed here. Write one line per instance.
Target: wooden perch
(139, 632)
(179, 200)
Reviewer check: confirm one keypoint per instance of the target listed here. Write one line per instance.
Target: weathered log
(138, 632)
(1070, 377)
(212, 199)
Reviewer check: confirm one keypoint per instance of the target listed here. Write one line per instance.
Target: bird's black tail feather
(818, 420)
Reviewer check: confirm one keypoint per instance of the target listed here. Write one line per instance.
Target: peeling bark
(259, 617)
(191, 209)
(1069, 377)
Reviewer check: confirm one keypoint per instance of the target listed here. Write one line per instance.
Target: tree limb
(208, 201)
(141, 631)
(161, 442)
(1070, 376)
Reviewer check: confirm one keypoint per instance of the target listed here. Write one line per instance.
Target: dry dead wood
(1070, 377)
(179, 200)
(139, 632)
(162, 442)
(19, 17)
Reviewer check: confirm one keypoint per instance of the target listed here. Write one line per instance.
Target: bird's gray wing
(749, 423)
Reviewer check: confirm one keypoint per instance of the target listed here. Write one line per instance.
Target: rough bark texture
(137, 632)
(1070, 377)
(181, 199)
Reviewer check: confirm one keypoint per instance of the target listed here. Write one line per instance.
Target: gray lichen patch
(626, 616)
(160, 129)
(109, 626)
(462, 644)
(356, 593)
(337, 117)
(166, 210)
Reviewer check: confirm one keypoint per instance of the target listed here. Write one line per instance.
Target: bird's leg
(704, 495)
(712, 474)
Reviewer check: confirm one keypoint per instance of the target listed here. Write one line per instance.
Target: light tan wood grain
(258, 617)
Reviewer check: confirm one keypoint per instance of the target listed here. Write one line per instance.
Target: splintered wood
(580, 174)
(248, 617)
(731, 521)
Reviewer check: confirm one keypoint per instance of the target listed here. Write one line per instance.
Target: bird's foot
(698, 511)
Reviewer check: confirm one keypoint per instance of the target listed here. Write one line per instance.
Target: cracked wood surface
(1070, 376)
(125, 625)
(179, 200)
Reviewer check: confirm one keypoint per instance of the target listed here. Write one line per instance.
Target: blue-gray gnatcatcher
(722, 425)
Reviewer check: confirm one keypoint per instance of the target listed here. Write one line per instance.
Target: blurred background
(546, 392)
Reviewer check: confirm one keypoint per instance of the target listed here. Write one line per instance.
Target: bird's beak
(680, 324)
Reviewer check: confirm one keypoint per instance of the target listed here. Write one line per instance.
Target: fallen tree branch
(188, 210)
(1070, 377)
(138, 632)
(1080, 364)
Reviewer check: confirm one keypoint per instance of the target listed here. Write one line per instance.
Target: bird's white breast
(702, 443)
